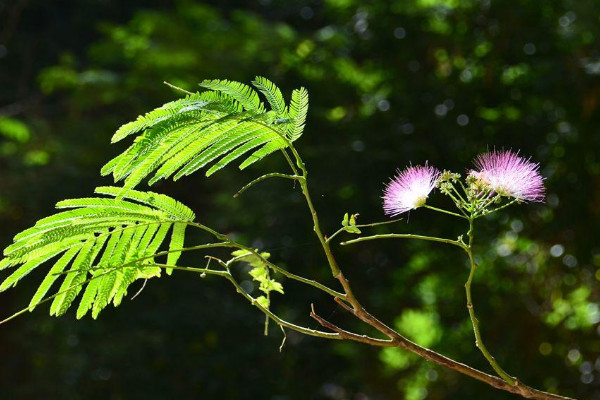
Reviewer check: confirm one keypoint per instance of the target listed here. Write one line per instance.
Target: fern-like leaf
(298, 112)
(209, 130)
(103, 244)
(272, 94)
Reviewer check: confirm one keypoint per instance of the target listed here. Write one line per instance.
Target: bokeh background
(391, 82)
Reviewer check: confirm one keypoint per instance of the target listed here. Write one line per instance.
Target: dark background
(391, 82)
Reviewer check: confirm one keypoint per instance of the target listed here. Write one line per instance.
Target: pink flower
(409, 189)
(508, 174)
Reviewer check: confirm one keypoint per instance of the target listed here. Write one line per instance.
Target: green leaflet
(158, 238)
(31, 251)
(186, 148)
(124, 164)
(271, 147)
(26, 269)
(52, 276)
(88, 298)
(240, 151)
(128, 276)
(148, 162)
(271, 93)
(103, 244)
(76, 276)
(177, 238)
(105, 287)
(240, 92)
(226, 145)
(167, 204)
(210, 129)
(298, 112)
(148, 236)
(191, 102)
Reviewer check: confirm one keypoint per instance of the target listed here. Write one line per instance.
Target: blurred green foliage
(390, 82)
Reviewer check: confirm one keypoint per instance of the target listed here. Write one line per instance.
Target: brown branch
(344, 305)
(400, 341)
(353, 305)
(350, 335)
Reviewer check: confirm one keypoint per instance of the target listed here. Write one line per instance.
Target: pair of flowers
(502, 173)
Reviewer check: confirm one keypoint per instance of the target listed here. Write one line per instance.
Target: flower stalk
(471, 309)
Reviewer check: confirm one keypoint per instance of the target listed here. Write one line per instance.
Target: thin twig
(284, 338)
(177, 88)
(342, 229)
(140, 290)
(444, 211)
(404, 236)
(349, 335)
(344, 305)
(262, 178)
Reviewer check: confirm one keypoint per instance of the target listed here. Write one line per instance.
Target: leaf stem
(206, 270)
(266, 176)
(344, 334)
(177, 88)
(342, 229)
(158, 254)
(289, 161)
(405, 236)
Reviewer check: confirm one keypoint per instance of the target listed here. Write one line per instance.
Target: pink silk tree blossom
(409, 189)
(508, 174)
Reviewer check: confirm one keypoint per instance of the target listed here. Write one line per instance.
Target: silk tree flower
(510, 175)
(409, 189)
